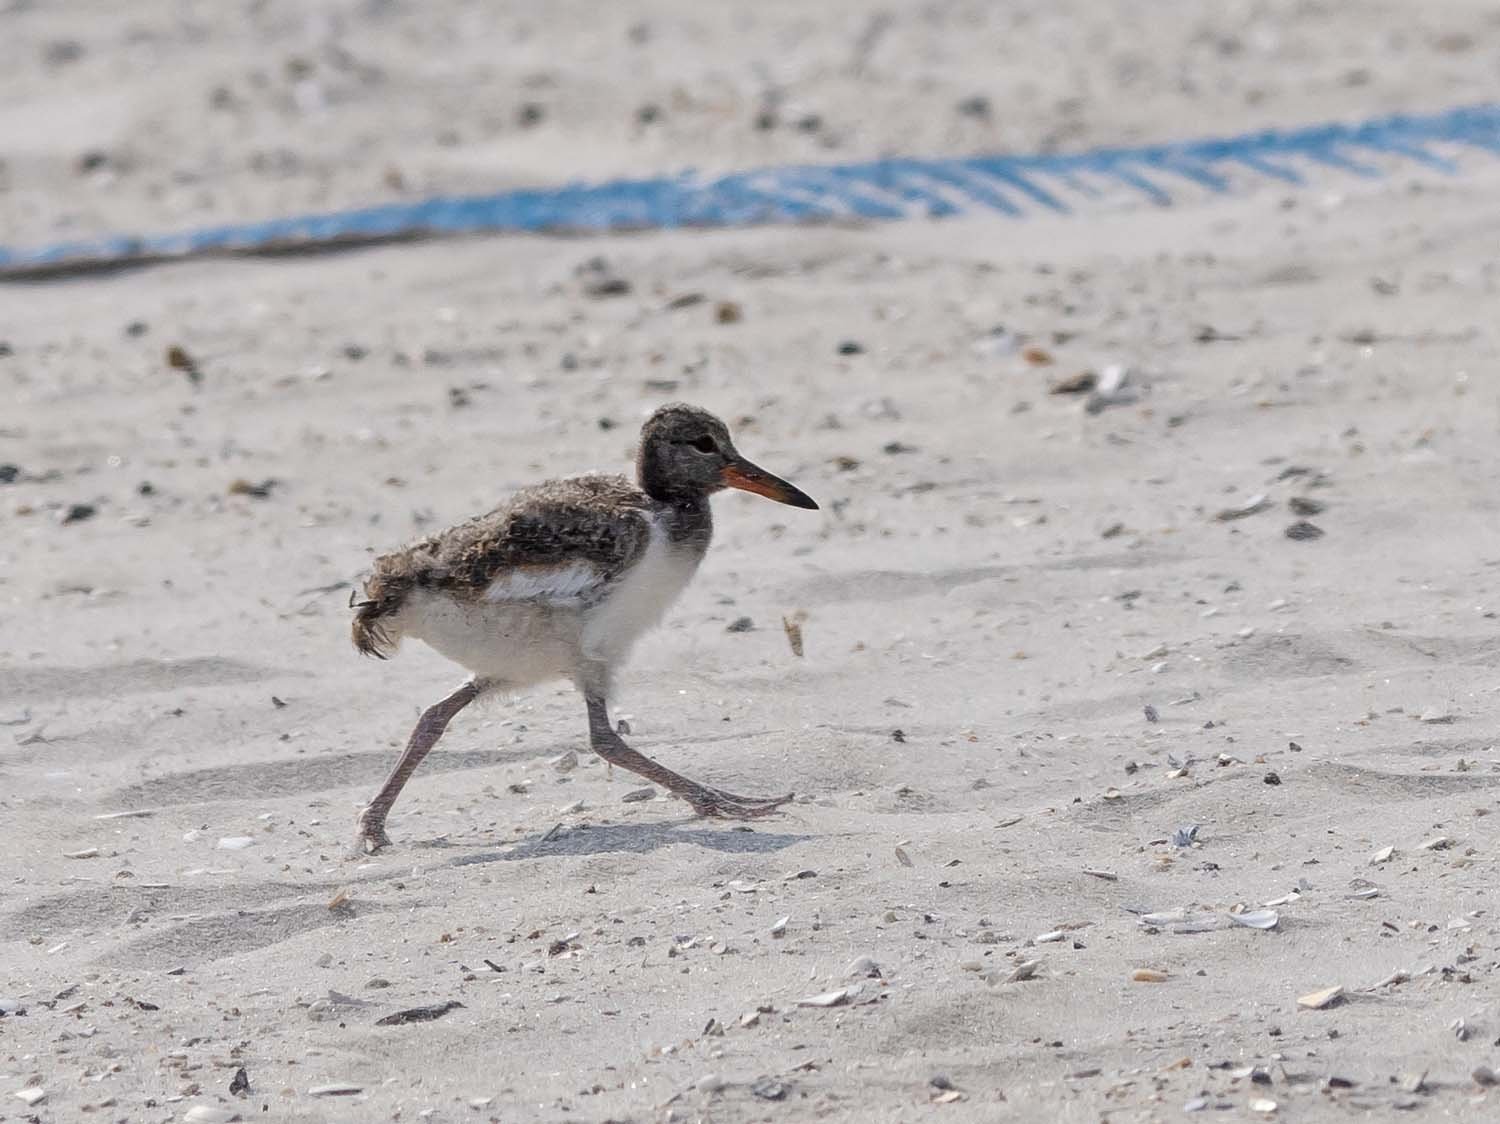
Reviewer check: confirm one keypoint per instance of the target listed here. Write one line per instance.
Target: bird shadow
(634, 839)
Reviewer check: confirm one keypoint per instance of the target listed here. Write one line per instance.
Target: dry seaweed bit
(260, 491)
(792, 626)
(419, 1014)
(179, 360)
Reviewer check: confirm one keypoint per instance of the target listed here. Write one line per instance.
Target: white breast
(639, 599)
(515, 642)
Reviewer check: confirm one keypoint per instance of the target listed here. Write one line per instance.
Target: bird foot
(372, 836)
(717, 804)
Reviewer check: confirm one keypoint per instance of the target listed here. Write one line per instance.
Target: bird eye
(705, 445)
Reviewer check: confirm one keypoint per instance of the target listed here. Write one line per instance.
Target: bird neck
(689, 522)
(662, 486)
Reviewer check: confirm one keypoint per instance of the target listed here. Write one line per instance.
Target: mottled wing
(558, 541)
(561, 542)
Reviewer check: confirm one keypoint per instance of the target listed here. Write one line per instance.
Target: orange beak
(747, 477)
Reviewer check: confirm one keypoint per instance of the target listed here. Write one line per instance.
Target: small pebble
(1303, 531)
(1148, 975)
(768, 1089)
(976, 105)
(77, 513)
(1080, 383)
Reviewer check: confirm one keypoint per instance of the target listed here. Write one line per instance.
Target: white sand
(962, 592)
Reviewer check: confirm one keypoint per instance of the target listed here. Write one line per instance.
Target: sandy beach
(1102, 776)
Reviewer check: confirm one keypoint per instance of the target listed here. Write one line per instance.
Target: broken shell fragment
(1317, 1000)
(1025, 970)
(1256, 918)
(335, 1089)
(829, 998)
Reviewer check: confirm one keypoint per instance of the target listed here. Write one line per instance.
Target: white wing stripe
(567, 582)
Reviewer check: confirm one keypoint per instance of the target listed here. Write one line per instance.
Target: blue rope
(874, 190)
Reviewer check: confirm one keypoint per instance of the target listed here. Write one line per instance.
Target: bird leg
(429, 729)
(706, 801)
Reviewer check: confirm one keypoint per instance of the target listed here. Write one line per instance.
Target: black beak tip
(804, 501)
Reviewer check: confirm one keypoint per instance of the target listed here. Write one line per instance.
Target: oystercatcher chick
(559, 583)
